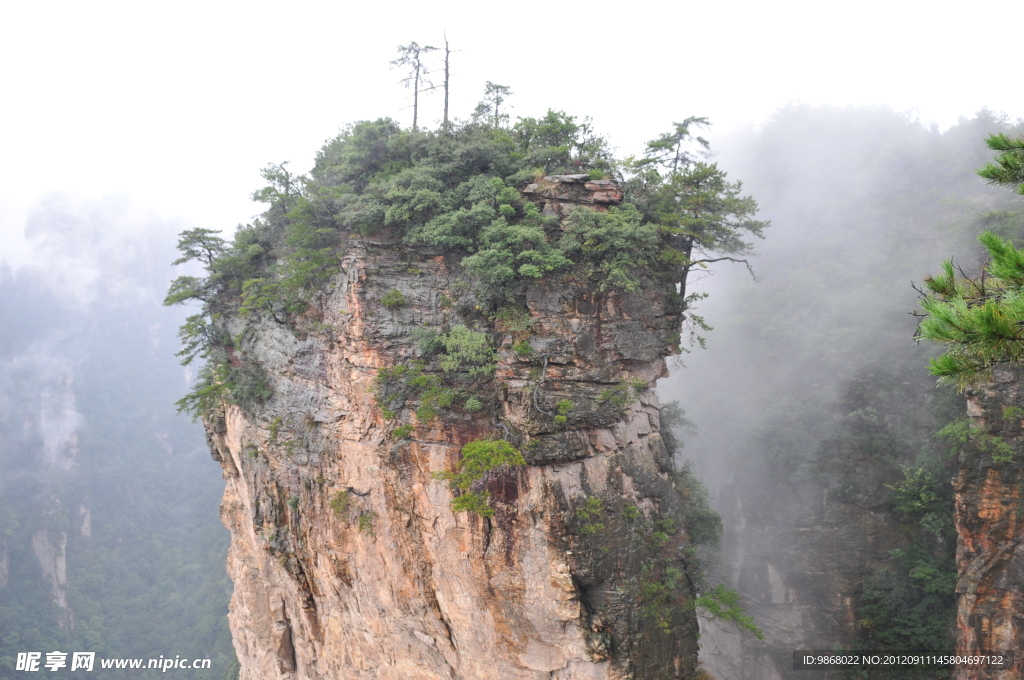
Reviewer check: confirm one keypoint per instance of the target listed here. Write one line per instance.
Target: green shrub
(293, 502)
(467, 351)
(722, 603)
(479, 457)
(473, 404)
(339, 502)
(366, 522)
(473, 501)
(591, 509)
(619, 396)
(402, 432)
(522, 348)
(631, 512)
(393, 299)
(513, 320)
(274, 429)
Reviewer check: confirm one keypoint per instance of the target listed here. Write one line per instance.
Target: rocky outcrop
(347, 558)
(50, 550)
(5, 564)
(990, 523)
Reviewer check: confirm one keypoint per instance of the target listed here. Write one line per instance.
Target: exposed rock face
(50, 549)
(990, 524)
(347, 559)
(798, 554)
(5, 564)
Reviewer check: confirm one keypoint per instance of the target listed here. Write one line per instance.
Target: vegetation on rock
(460, 189)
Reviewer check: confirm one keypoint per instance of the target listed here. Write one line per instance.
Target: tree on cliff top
(460, 188)
(411, 57)
(980, 319)
(701, 215)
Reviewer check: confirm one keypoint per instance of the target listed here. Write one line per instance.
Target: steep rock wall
(387, 581)
(989, 515)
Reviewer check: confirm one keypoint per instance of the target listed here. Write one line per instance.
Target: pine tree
(411, 57)
(980, 320)
(1008, 168)
(700, 212)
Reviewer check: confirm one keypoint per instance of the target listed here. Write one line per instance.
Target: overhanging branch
(729, 259)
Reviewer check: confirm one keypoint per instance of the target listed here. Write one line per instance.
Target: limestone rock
(347, 559)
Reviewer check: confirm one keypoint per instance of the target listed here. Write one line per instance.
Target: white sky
(179, 104)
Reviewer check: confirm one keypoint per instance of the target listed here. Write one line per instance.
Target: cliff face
(347, 558)
(990, 523)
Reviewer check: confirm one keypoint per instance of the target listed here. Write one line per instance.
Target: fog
(812, 395)
(109, 535)
(179, 106)
(856, 128)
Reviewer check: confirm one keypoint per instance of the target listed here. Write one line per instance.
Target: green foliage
(623, 394)
(722, 603)
(591, 509)
(980, 321)
(365, 522)
(473, 404)
(522, 348)
(997, 448)
(631, 512)
(476, 502)
(393, 387)
(489, 109)
(513, 320)
(217, 383)
(402, 432)
(698, 212)
(467, 351)
(274, 429)
(393, 299)
(427, 340)
(339, 502)
(1013, 413)
(957, 434)
(457, 188)
(663, 592)
(293, 502)
(613, 249)
(564, 406)
(560, 145)
(1008, 168)
(960, 432)
(479, 457)
(911, 604)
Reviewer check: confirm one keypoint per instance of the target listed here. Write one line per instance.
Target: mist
(109, 535)
(812, 399)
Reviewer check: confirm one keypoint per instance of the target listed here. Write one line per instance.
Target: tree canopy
(980, 319)
(460, 189)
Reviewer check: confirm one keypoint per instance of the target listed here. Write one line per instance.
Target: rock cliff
(988, 513)
(347, 557)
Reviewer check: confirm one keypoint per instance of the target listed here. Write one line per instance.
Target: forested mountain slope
(109, 537)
